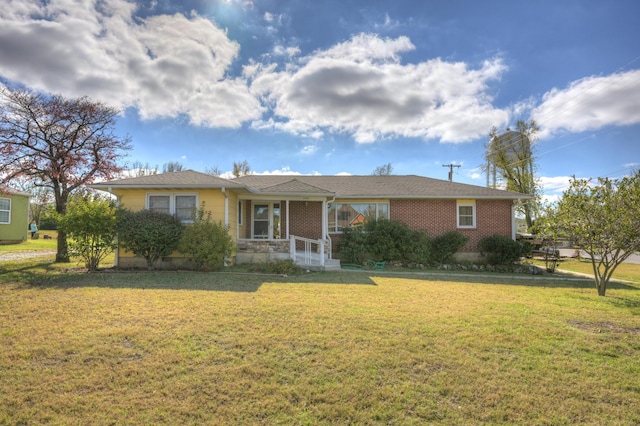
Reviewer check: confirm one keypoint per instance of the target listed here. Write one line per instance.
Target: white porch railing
(313, 253)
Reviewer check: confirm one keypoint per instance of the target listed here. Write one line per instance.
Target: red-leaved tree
(60, 143)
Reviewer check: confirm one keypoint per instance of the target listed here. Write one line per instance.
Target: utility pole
(451, 166)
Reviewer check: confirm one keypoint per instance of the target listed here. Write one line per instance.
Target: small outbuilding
(14, 215)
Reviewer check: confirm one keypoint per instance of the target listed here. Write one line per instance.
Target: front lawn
(322, 348)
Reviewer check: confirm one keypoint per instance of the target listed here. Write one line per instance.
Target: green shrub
(383, 240)
(283, 267)
(148, 234)
(389, 239)
(419, 251)
(500, 250)
(445, 246)
(353, 245)
(90, 224)
(206, 243)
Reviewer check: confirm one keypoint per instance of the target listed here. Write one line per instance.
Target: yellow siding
(213, 199)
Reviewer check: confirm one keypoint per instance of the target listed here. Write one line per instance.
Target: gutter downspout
(226, 206)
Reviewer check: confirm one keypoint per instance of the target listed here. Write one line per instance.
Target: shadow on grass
(544, 281)
(183, 280)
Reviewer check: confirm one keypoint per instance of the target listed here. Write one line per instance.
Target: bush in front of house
(444, 246)
(90, 224)
(384, 240)
(282, 267)
(148, 234)
(206, 243)
(500, 250)
(419, 250)
(353, 246)
(389, 240)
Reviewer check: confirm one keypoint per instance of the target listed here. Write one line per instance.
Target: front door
(266, 221)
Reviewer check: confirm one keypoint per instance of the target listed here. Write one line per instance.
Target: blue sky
(328, 87)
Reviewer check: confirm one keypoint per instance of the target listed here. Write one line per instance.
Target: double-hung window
(466, 214)
(5, 210)
(183, 206)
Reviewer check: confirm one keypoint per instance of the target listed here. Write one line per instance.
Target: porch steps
(312, 262)
(329, 265)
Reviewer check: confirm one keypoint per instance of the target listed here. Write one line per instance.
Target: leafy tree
(510, 154)
(206, 243)
(384, 170)
(62, 144)
(90, 224)
(603, 219)
(241, 169)
(148, 234)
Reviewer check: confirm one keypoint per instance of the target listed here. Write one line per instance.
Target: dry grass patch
(325, 348)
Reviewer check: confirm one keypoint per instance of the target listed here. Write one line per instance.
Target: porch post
(287, 218)
(324, 221)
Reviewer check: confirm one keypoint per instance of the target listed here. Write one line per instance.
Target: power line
(451, 166)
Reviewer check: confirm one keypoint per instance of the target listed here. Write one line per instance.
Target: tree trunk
(62, 256)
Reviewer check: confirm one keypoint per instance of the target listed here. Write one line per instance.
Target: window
(185, 207)
(5, 210)
(181, 205)
(346, 215)
(466, 214)
(160, 203)
(240, 213)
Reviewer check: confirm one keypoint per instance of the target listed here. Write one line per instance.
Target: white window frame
(471, 204)
(172, 200)
(8, 222)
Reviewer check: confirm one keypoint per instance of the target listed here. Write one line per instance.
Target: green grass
(321, 348)
(31, 245)
(625, 271)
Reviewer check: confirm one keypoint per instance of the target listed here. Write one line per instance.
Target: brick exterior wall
(439, 216)
(305, 220)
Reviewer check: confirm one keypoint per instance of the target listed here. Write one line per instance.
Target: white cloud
(557, 184)
(164, 65)
(309, 150)
(591, 103)
(360, 88)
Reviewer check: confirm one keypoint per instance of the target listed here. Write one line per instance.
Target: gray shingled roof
(391, 186)
(371, 186)
(10, 191)
(295, 186)
(182, 179)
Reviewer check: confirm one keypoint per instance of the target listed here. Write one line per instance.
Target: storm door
(266, 221)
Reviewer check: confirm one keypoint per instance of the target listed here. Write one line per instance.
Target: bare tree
(241, 169)
(62, 144)
(215, 171)
(172, 166)
(139, 169)
(384, 170)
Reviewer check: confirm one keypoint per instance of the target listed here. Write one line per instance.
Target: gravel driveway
(26, 254)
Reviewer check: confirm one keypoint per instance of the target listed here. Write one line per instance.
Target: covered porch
(285, 226)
